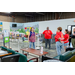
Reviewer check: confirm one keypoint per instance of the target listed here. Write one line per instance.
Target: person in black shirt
(69, 38)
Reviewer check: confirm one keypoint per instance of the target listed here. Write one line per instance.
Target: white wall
(53, 24)
(6, 25)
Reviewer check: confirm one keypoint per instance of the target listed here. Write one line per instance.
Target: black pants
(47, 41)
(69, 41)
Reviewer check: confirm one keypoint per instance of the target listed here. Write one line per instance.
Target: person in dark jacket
(69, 38)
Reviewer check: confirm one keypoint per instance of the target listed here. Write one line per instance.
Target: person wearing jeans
(59, 40)
(59, 47)
(49, 42)
(48, 36)
(32, 38)
(30, 45)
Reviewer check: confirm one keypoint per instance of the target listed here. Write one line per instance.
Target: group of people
(62, 40)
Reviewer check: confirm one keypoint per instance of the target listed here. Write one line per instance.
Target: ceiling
(28, 14)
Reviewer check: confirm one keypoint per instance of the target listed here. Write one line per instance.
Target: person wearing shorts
(66, 39)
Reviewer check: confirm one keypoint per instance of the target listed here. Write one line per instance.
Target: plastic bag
(71, 45)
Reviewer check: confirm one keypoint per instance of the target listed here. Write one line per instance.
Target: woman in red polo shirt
(59, 40)
(66, 39)
(48, 36)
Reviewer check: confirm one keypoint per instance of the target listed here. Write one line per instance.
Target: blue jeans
(47, 41)
(59, 47)
(30, 44)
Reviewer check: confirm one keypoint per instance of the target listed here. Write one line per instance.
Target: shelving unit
(38, 43)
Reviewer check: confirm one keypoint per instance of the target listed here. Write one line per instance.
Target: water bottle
(41, 50)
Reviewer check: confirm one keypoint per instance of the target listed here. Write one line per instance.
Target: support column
(56, 16)
(13, 19)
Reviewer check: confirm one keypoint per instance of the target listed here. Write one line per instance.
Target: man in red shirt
(48, 36)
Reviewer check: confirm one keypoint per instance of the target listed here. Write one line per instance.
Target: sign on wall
(25, 27)
(6, 36)
(1, 27)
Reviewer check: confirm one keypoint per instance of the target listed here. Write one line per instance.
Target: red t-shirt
(47, 34)
(66, 38)
(59, 35)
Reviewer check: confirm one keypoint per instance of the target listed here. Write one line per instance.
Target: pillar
(56, 15)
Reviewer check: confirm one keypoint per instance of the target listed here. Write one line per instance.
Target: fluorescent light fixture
(6, 12)
(40, 13)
